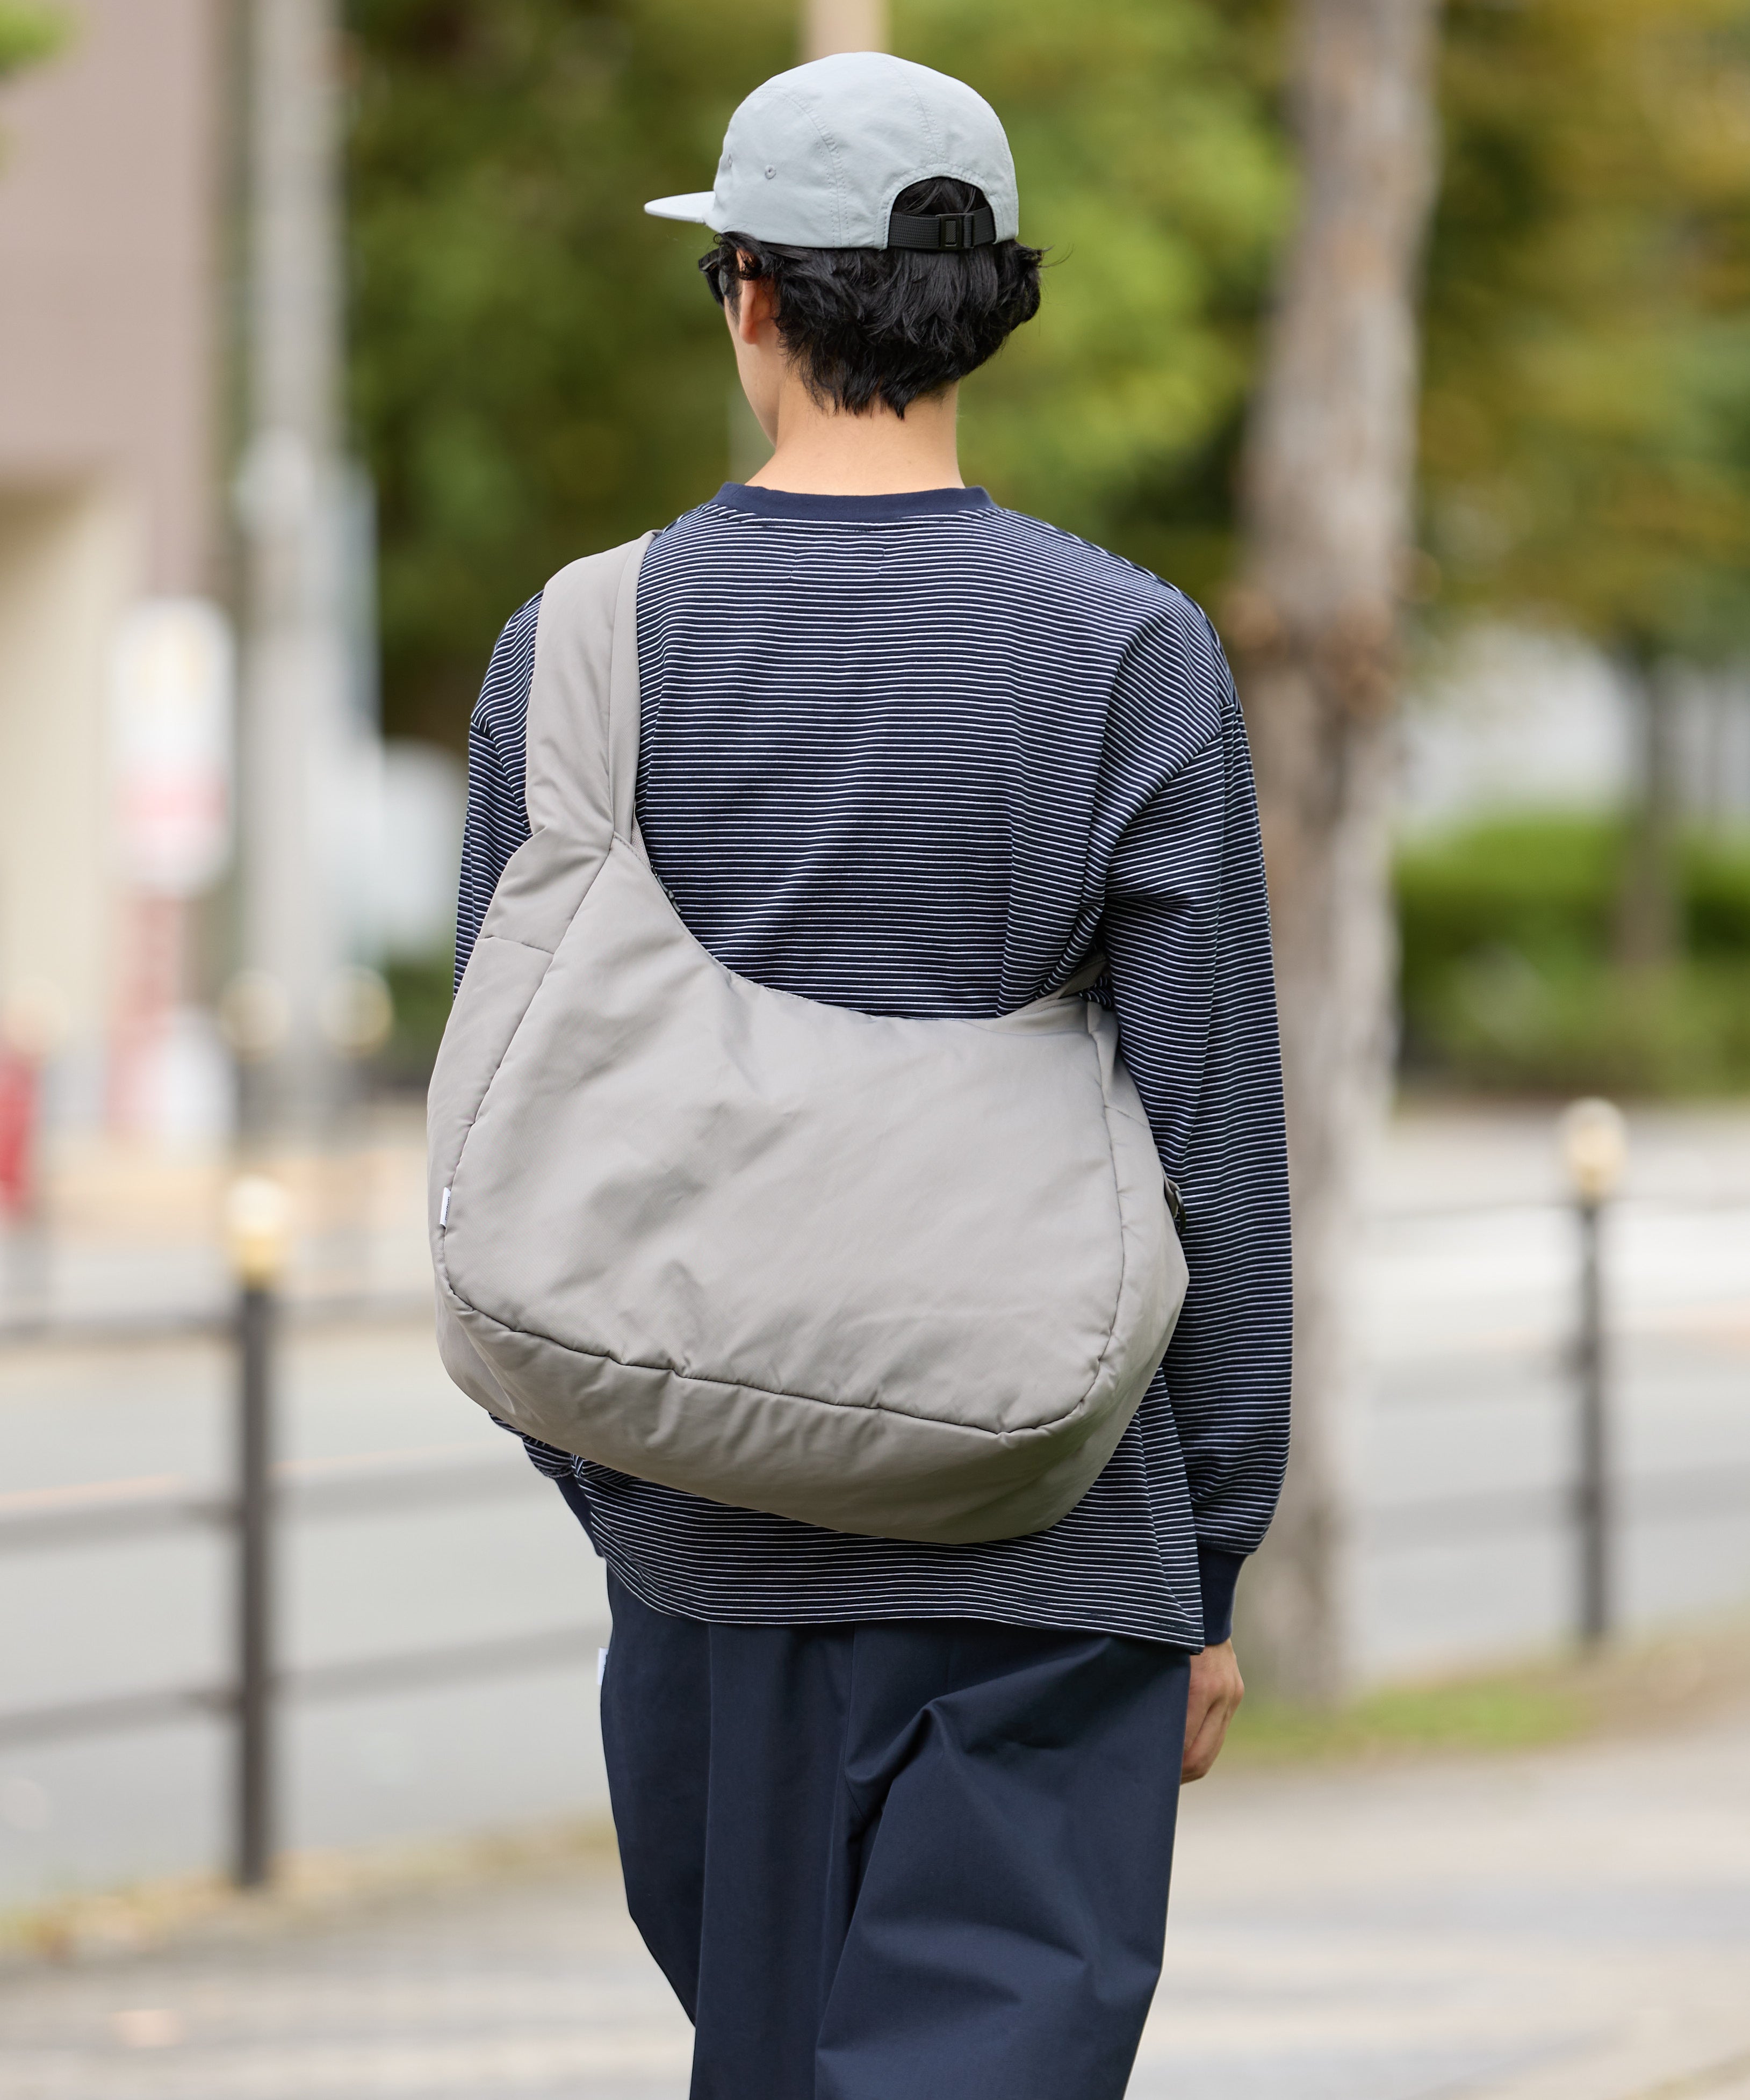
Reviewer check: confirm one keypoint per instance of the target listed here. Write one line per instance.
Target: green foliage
(1503, 1023)
(1586, 426)
(28, 33)
(1507, 981)
(1716, 900)
(537, 370)
(1151, 171)
(1543, 887)
(1555, 1698)
(1485, 1715)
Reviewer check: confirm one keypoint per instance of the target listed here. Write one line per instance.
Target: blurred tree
(1586, 423)
(28, 32)
(1327, 497)
(535, 371)
(1153, 171)
(1508, 982)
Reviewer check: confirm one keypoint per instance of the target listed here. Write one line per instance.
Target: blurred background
(326, 335)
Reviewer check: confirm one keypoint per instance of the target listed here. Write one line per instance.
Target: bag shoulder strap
(581, 770)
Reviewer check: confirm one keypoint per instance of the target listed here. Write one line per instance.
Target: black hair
(893, 324)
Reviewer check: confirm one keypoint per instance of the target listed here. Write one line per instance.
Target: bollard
(1594, 1147)
(255, 1219)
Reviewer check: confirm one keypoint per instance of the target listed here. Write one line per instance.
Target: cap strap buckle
(955, 230)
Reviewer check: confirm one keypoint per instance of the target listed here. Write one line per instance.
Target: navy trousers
(899, 1860)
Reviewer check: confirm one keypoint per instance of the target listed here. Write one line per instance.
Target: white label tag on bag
(444, 1211)
(601, 1668)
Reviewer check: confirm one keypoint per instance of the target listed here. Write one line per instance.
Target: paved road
(1573, 1925)
(1466, 1324)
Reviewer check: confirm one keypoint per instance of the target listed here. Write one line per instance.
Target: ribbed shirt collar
(850, 510)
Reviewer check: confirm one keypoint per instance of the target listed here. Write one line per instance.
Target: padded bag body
(902, 1277)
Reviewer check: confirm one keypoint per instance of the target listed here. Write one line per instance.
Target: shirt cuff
(1218, 1571)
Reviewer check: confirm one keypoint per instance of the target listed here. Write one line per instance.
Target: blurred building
(1505, 718)
(110, 244)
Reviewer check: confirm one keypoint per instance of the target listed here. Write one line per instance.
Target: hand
(1217, 1689)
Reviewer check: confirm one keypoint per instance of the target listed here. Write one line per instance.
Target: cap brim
(695, 206)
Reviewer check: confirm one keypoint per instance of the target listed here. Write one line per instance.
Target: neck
(826, 451)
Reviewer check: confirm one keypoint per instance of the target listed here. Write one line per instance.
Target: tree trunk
(1314, 625)
(831, 26)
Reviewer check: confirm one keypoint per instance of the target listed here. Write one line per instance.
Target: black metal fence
(1594, 1505)
(1598, 1503)
(263, 1494)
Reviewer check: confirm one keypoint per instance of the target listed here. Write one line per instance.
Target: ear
(756, 307)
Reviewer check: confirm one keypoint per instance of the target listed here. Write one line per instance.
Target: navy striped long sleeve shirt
(921, 755)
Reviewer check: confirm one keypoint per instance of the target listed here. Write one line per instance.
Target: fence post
(1594, 1149)
(1593, 1483)
(255, 1218)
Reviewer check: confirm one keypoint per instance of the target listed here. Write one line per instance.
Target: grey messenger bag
(907, 1278)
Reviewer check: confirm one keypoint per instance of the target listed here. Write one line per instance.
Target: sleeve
(1186, 933)
(497, 818)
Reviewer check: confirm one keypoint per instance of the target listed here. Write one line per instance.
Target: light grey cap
(815, 157)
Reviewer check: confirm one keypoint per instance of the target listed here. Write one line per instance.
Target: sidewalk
(1573, 1925)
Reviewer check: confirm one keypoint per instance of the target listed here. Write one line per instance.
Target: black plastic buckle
(957, 231)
